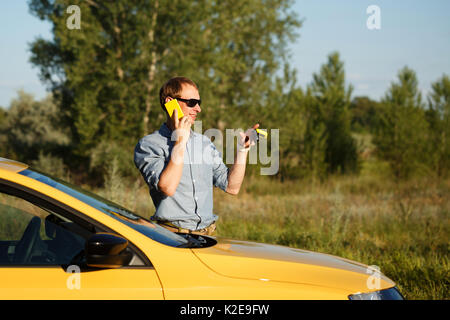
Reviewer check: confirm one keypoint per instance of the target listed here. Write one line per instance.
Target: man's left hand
(249, 138)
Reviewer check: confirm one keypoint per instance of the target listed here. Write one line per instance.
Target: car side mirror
(107, 250)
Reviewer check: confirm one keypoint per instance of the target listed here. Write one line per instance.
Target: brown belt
(208, 231)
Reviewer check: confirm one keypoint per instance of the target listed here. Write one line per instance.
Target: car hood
(252, 260)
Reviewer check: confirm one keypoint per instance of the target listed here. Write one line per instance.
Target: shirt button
(193, 180)
(196, 198)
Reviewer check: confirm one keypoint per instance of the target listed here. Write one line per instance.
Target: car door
(40, 248)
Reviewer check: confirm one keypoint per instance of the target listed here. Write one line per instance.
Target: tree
(3, 114)
(331, 104)
(363, 112)
(3, 139)
(107, 74)
(34, 127)
(285, 110)
(438, 117)
(315, 139)
(401, 134)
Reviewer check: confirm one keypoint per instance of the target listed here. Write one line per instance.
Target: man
(180, 185)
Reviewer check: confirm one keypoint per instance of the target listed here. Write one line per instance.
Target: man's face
(189, 92)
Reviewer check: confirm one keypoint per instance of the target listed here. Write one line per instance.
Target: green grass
(402, 228)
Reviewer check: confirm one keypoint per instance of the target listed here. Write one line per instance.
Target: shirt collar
(165, 131)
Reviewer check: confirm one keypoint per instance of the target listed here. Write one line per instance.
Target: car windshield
(138, 223)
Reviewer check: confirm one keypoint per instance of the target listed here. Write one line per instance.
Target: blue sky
(415, 33)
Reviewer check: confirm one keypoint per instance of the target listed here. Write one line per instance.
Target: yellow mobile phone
(262, 133)
(171, 105)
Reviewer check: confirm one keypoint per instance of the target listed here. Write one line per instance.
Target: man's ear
(168, 99)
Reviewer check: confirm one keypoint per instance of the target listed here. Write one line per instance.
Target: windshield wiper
(192, 242)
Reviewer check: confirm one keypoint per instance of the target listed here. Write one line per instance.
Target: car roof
(11, 165)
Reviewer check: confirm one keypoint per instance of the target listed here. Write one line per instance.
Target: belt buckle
(183, 230)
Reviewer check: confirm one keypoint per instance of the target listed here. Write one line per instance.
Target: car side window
(30, 235)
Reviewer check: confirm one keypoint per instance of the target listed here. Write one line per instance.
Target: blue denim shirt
(191, 207)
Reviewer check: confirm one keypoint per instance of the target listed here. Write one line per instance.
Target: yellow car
(60, 242)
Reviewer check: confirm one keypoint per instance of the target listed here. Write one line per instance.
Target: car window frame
(109, 208)
(46, 202)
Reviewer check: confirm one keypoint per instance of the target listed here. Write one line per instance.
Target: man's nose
(198, 108)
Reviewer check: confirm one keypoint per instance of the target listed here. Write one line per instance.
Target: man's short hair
(173, 88)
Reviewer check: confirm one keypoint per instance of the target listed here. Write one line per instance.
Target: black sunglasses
(190, 102)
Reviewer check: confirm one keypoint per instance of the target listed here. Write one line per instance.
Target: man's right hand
(182, 127)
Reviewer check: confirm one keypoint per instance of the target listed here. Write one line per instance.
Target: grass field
(402, 228)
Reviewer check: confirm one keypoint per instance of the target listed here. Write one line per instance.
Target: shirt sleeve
(149, 158)
(220, 170)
